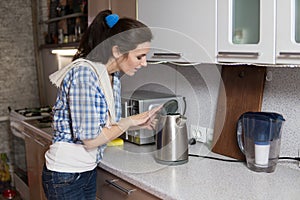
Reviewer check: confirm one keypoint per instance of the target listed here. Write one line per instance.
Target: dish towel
(57, 77)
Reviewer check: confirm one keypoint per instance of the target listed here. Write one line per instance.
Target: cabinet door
(112, 187)
(35, 150)
(184, 31)
(246, 31)
(288, 32)
(95, 6)
(124, 8)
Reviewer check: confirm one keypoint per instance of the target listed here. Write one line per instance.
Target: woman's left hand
(147, 119)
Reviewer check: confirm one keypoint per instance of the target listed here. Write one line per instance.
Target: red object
(9, 193)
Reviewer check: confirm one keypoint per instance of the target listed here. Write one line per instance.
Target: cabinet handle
(113, 183)
(167, 55)
(238, 54)
(289, 54)
(126, 107)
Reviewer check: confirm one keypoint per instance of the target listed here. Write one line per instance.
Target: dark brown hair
(97, 42)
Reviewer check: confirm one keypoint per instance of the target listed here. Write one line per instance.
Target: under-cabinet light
(64, 52)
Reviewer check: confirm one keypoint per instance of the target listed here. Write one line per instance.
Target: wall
(200, 86)
(18, 79)
(282, 95)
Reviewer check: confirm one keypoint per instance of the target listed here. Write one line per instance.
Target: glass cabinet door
(288, 32)
(246, 31)
(245, 21)
(297, 21)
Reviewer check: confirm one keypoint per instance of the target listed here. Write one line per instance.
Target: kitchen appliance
(19, 165)
(259, 136)
(141, 101)
(171, 139)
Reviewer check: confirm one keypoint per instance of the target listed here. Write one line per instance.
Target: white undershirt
(70, 157)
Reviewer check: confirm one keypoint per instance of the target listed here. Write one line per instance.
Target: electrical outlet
(199, 133)
(209, 136)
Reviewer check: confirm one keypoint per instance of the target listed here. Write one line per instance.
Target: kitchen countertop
(200, 178)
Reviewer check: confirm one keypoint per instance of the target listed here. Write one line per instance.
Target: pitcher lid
(264, 116)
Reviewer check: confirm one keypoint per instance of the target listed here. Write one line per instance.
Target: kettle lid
(169, 107)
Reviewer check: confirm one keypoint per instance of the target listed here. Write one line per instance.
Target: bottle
(66, 38)
(60, 36)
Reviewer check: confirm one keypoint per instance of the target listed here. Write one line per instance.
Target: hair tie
(111, 20)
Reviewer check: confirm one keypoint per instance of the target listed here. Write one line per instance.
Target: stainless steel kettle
(171, 139)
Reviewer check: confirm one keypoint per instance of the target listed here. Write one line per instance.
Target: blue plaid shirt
(81, 111)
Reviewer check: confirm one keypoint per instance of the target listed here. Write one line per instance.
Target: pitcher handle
(239, 132)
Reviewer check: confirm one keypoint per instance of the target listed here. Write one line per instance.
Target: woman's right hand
(142, 120)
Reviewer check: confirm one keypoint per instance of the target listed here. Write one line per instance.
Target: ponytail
(97, 41)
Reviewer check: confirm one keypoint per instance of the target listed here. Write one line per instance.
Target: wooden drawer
(110, 187)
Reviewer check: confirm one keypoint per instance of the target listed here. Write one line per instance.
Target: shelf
(64, 45)
(64, 17)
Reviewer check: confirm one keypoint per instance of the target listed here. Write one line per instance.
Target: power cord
(214, 158)
(230, 160)
(289, 158)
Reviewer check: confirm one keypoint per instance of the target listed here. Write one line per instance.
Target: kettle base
(176, 162)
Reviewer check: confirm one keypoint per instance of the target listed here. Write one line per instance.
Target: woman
(87, 112)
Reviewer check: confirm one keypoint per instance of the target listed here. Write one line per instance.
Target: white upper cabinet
(246, 31)
(288, 32)
(184, 31)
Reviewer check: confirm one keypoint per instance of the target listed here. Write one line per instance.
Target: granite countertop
(200, 178)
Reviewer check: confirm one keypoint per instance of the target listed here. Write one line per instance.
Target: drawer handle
(167, 55)
(113, 183)
(289, 54)
(238, 54)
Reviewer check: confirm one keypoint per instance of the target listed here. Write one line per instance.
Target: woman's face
(135, 60)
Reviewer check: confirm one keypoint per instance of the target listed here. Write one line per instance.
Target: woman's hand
(143, 120)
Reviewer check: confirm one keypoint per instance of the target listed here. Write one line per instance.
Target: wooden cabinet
(184, 31)
(94, 7)
(36, 146)
(122, 8)
(110, 187)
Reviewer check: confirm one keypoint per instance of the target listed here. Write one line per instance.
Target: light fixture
(64, 52)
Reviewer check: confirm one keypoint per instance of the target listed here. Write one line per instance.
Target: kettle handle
(181, 121)
(239, 132)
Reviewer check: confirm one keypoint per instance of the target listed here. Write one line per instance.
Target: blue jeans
(69, 186)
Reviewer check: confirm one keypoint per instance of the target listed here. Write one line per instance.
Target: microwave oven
(141, 101)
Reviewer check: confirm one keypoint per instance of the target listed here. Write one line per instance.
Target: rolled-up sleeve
(87, 105)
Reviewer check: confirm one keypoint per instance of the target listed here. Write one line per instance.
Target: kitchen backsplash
(282, 95)
(200, 86)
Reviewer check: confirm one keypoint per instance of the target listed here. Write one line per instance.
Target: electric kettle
(171, 139)
(259, 135)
